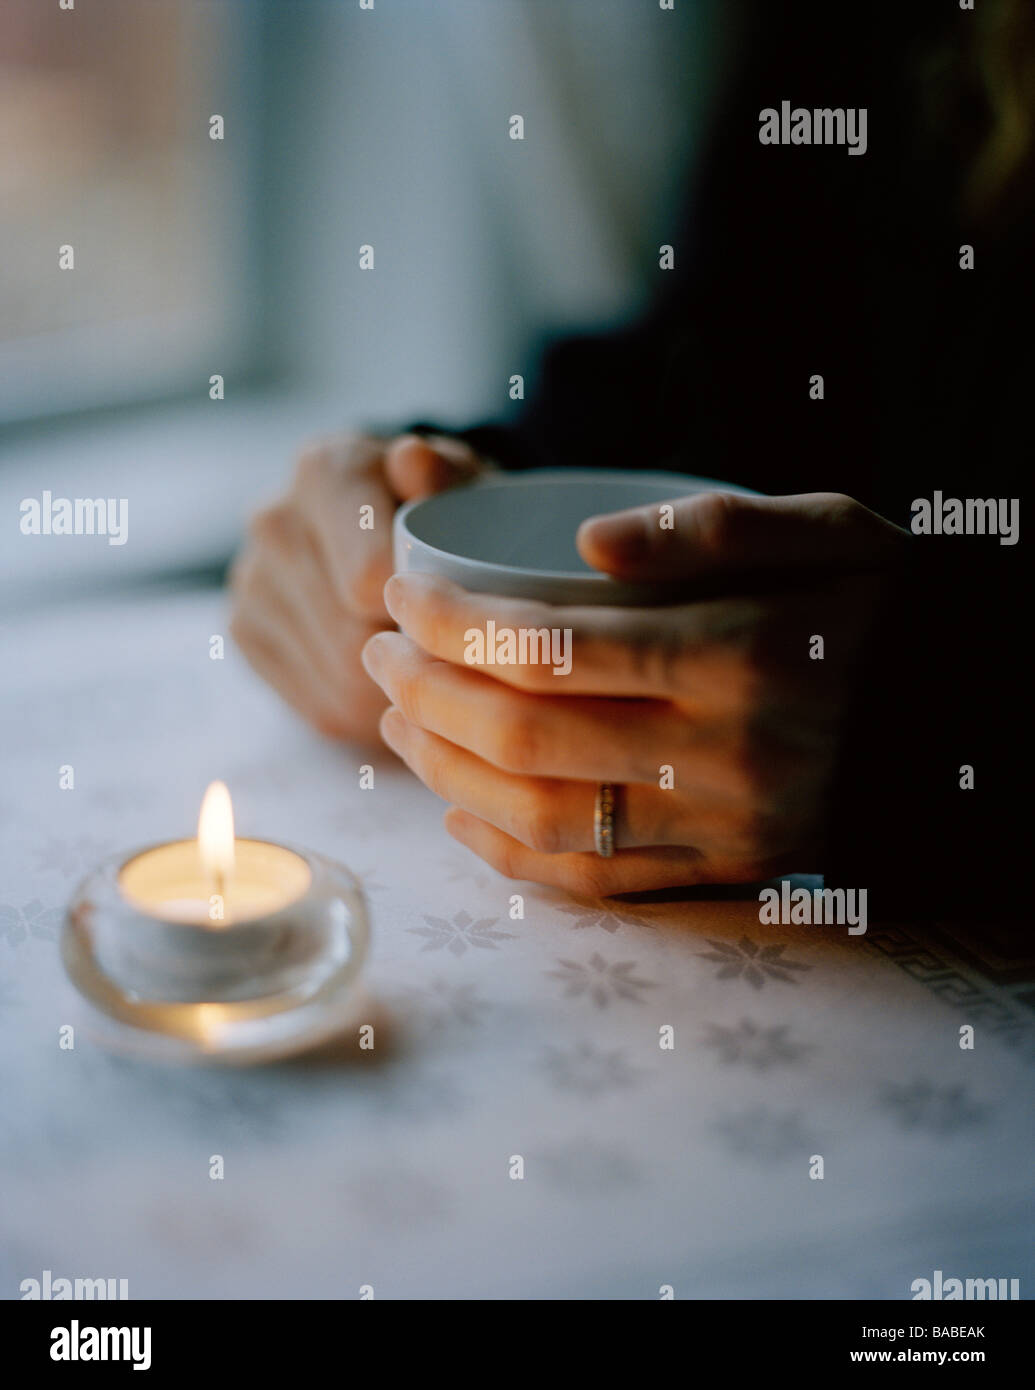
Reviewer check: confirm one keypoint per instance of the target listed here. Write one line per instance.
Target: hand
(722, 691)
(308, 586)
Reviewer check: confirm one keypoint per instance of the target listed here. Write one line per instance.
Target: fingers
(285, 579)
(720, 534)
(287, 665)
(292, 630)
(284, 671)
(270, 611)
(550, 736)
(308, 587)
(586, 875)
(550, 815)
(274, 648)
(347, 489)
(688, 652)
(554, 815)
(334, 482)
(417, 466)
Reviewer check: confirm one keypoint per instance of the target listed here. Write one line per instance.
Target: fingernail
(624, 534)
(400, 589)
(396, 592)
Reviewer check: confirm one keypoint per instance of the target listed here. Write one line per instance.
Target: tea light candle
(215, 878)
(216, 948)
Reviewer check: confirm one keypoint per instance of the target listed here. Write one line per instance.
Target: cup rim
(535, 475)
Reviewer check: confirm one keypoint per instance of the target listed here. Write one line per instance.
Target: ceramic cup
(514, 534)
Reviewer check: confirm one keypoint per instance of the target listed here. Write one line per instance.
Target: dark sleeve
(598, 401)
(929, 808)
(778, 253)
(802, 261)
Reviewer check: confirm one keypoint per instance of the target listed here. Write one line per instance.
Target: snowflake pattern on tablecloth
(751, 962)
(599, 981)
(461, 932)
(31, 920)
(590, 912)
(923, 1106)
(764, 1134)
(442, 1002)
(589, 1070)
(761, 1048)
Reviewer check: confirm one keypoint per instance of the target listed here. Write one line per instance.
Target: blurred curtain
(392, 130)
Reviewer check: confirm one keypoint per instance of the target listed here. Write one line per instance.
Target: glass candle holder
(244, 990)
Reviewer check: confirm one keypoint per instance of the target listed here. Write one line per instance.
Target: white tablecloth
(496, 1037)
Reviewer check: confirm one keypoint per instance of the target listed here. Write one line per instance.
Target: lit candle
(216, 947)
(215, 879)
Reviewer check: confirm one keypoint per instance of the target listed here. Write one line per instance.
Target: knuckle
(540, 828)
(247, 580)
(431, 758)
(413, 690)
(660, 659)
(407, 692)
(505, 861)
(515, 743)
(839, 506)
(588, 877)
(274, 526)
(242, 574)
(332, 724)
(362, 587)
(533, 677)
(329, 460)
(715, 521)
(745, 783)
(239, 629)
(743, 831)
(313, 465)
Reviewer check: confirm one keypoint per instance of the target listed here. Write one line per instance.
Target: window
(106, 110)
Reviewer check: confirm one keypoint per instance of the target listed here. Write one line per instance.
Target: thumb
(418, 465)
(716, 533)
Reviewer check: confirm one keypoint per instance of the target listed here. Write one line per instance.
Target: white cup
(514, 534)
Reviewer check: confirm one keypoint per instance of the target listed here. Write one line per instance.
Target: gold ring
(604, 820)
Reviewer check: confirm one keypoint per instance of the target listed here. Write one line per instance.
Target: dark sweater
(797, 260)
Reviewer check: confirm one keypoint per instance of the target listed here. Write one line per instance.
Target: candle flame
(216, 833)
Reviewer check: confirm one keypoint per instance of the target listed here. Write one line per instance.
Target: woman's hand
(717, 717)
(307, 588)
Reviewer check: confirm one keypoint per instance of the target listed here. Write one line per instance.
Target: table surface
(496, 1037)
